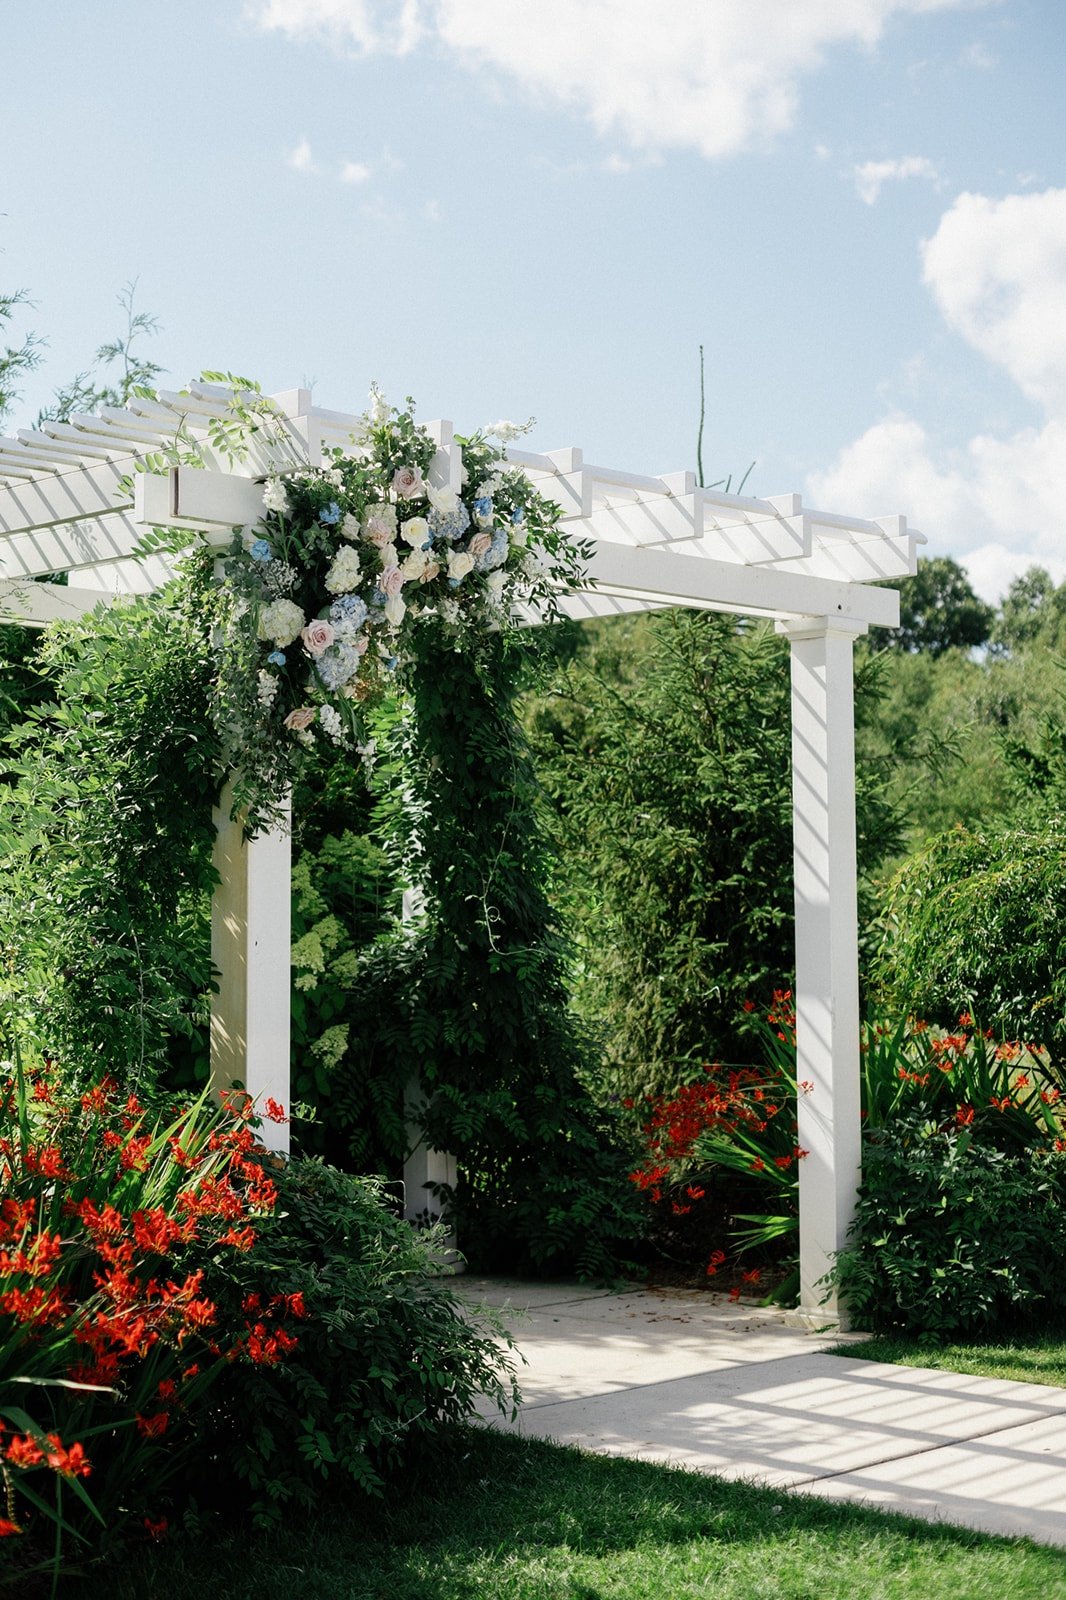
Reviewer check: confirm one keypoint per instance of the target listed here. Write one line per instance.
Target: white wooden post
(827, 954)
(251, 922)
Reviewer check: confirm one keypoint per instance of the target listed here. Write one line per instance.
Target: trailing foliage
(469, 999)
(105, 841)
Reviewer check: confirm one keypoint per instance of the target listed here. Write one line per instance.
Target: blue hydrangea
(483, 507)
(260, 551)
(496, 554)
(377, 599)
(330, 514)
(337, 665)
(276, 658)
(518, 514)
(450, 525)
(348, 615)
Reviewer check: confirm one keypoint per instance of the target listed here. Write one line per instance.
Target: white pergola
(79, 497)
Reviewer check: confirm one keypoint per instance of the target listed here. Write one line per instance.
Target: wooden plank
(68, 546)
(35, 605)
(754, 591)
(59, 497)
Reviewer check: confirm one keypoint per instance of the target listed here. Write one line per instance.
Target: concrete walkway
(689, 1378)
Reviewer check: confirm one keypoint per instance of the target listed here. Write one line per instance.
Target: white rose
(415, 565)
(350, 527)
(395, 609)
(390, 556)
(444, 501)
(380, 524)
(415, 532)
(494, 584)
(280, 622)
(460, 562)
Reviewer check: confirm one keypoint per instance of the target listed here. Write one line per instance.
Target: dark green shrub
(386, 1353)
(951, 1236)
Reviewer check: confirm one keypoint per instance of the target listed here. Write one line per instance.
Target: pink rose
(391, 582)
(378, 532)
(317, 636)
(407, 483)
(432, 571)
(480, 543)
(297, 721)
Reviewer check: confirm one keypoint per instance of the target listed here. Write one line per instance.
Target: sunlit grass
(500, 1518)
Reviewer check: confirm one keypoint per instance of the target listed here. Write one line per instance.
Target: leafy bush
(978, 922)
(665, 748)
(953, 1236)
(387, 1354)
(722, 1151)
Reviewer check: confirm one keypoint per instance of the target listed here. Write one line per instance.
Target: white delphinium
(506, 431)
(274, 496)
(266, 688)
(329, 720)
(378, 409)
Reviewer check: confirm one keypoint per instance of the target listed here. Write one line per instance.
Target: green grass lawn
(1037, 1360)
(500, 1518)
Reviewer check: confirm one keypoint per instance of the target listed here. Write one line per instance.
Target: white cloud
(715, 78)
(366, 26)
(997, 269)
(871, 175)
(354, 172)
(979, 56)
(300, 158)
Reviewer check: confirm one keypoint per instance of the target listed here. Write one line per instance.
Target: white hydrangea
(343, 575)
(267, 688)
(334, 477)
(280, 622)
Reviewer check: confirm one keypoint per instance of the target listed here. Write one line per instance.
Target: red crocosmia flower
(749, 1006)
(153, 1427)
(752, 1276)
(693, 1192)
(154, 1231)
(95, 1100)
(24, 1452)
(964, 1116)
(965, 1020)
(156, 1529)
(734, 1293)
(112, 1140)
(758, 1165)
(252, 1302)
(134, 1156)
(200, 1313)
(239, 1238)
(7, 1529)
(275, 1112)
(167, 1389)
(679, 1211)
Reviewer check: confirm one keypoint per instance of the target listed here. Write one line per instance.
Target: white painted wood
(35, 605)
(760, 591)
(827, 947)
(251, 923)
(57, 497)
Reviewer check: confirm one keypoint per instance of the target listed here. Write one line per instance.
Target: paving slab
(695, 1380)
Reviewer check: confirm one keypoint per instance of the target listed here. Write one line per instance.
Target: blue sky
(514, 207)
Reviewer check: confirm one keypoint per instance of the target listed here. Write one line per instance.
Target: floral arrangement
(349, 560)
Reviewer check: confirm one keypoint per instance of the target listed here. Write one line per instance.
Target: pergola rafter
(80, 497)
